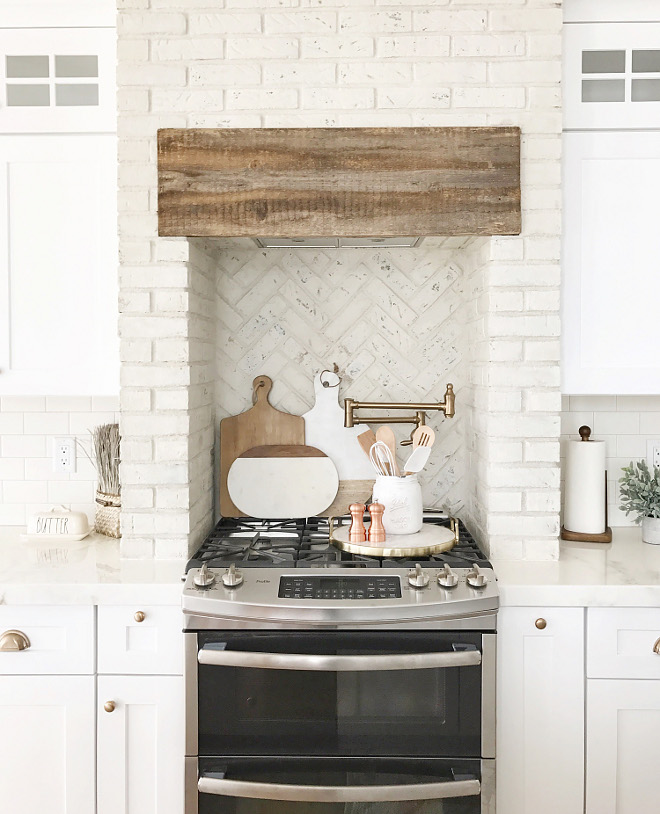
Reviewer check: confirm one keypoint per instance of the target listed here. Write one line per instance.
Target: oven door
(347, 786)
(353, 693)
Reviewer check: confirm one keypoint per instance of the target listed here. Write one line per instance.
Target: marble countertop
(89, 572)
(623, 573)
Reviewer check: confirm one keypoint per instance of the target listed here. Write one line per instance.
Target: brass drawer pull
(656, 647)
(109, 706)
(140, 616)
(541, 624)
(13, 641)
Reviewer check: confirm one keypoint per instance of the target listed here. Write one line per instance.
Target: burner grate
(301, 543)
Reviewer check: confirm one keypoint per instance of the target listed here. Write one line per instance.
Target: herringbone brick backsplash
(391, 320)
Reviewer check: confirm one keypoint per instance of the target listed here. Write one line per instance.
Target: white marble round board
(431, 539)
(281, 482)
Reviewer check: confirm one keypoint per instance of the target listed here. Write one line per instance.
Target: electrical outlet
(653, 453)
(64, 455)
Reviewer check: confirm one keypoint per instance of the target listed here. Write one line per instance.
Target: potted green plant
(640, 495)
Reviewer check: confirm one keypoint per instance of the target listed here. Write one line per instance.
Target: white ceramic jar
(402, 499)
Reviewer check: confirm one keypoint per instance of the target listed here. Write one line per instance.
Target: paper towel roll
(584, 487)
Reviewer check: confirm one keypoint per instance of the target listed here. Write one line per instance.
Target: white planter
(651, 530)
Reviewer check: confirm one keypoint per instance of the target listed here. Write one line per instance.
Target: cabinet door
(611, 263)
(58, 265)
(47, 744)
(540, 711)
(140, 745)
(623, 747)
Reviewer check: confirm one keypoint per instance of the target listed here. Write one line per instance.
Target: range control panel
(353, 587)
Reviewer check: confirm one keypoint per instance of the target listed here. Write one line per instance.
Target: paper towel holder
(577, 536)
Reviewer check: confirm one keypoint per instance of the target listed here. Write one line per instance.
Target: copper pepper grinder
(376, 529)
(357, 532)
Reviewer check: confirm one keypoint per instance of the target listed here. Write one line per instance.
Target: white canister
(402, 499)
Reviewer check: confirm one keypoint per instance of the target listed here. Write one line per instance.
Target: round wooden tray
(430, 540)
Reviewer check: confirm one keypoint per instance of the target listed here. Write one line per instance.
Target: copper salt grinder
(376, 529)
(357, 532)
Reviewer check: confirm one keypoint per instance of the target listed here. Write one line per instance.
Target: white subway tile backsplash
(23, 446)
(22, 404)
(46, 424)
(27, 480)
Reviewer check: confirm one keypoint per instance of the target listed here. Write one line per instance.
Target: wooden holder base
(578, 537)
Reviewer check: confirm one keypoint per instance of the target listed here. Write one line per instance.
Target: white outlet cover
(64, 454)
(653, 452)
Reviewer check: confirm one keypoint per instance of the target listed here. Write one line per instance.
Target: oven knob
(204, 578)
(476, 578)
(447, 578)
(232, 578)
(417, 578)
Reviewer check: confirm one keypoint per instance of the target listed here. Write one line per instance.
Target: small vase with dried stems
(106, 441)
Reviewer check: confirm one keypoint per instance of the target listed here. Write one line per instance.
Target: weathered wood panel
(340, 182)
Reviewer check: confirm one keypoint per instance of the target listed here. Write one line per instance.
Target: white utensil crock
(402, 499)
(651, 530)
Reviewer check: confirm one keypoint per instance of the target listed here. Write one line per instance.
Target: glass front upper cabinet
(57, 80)
(611, 76)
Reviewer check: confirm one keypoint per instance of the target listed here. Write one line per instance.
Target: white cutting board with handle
(324, 429)
(282, 481)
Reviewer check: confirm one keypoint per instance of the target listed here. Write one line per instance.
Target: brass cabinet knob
(541, 624)
(656, 647)
(109, 706)
(12, 641)
(140, 616)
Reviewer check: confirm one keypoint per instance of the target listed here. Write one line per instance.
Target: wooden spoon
(386, 435)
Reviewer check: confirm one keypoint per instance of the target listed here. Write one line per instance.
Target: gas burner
(299, 543)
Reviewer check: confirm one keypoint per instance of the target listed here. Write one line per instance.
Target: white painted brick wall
(258, 63)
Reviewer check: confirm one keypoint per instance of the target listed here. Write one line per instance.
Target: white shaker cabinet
(540, 711)
(140, 760)
(623, 710)
(611, 263)
(623, 746)
(58, 265)
(47, 744)
(140, 747)
(47, 721)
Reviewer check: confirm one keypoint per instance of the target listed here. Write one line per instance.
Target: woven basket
(106, 520)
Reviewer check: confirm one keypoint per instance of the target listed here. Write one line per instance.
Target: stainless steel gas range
(320, 682)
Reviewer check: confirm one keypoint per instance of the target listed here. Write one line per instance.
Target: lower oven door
(348, 786)
(414, 693)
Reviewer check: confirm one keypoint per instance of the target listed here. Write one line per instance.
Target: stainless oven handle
(337, 664)
(338, 794)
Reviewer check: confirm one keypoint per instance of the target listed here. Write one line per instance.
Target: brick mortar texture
(299, 63)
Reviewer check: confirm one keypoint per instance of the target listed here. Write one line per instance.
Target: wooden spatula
(367, 440)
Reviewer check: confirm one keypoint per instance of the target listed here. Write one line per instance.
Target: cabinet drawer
(621, 641)
(140, 640)
(61, 640)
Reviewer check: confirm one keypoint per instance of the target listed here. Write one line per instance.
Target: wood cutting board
(282, 481)
(259, 426)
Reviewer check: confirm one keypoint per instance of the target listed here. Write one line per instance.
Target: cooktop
(304, 543)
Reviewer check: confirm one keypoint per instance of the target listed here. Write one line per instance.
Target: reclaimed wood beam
(339, 182)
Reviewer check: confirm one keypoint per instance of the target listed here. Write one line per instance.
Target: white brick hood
(200, 317)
